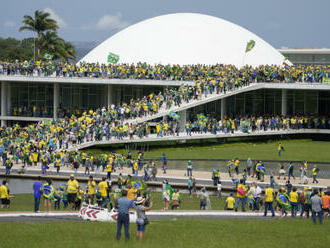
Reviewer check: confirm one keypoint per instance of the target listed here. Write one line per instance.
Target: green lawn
(25, 202)
(179, 233)
(296, 150)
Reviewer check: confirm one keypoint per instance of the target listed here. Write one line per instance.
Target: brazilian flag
(169, 190)
(136, 183)
(48, 191)
(250, 45)
(283, 201)
(174, 116)
(48, 56)
(113, 58)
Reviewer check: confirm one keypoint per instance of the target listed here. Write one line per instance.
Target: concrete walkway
(174, 176)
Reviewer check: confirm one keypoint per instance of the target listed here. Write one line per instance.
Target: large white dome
(183, 39)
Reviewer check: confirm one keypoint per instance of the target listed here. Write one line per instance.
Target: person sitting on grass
(176, 200)
(230, 202)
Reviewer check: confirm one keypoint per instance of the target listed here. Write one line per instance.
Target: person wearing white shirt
(256, 196)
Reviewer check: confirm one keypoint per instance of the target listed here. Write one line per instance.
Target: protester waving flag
(250, 45)
(174, 116)
(136, 183)
(113, 58)
(48, 56)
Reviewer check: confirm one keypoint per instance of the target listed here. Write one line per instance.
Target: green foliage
(12, 49)
(46, 39)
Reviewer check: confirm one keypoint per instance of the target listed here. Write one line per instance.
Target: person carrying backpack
(241, 195)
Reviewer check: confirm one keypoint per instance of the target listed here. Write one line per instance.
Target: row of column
(111, 95)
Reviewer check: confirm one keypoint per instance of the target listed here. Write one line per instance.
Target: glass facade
(267, 102)
(36, 99)
(82, 96)
(31, 99)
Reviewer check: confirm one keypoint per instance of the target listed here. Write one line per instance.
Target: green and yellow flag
(48, 56)
(113, 58)
(250, 45)
(136, 183)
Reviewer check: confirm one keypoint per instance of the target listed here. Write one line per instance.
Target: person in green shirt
(189, 169)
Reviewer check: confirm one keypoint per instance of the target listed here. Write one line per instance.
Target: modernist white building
(186, 39)
(169, 39)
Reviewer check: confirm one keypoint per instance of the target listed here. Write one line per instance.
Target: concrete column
(9, 99)
(223, 107)
(284, 102)
(111, 95)
(3, 102)
(182, 120)
(56, 99)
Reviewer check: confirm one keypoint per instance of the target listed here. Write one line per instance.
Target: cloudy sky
(292, 23)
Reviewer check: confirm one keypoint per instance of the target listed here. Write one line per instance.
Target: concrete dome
(185, 38)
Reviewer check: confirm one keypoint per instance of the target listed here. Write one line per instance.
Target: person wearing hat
(72, 187)
(141, 220)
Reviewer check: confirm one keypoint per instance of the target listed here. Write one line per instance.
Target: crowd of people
(307, 201)
(264, 73)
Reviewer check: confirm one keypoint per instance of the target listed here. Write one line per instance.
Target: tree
(39, 24)
(59, 48)
(12, 49)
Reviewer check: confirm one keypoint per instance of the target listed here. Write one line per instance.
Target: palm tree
(70, 51)
(39, 24)
(58, 47)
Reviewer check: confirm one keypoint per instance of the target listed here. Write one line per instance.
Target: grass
(295, 150)
(25, 202)
(243, 233)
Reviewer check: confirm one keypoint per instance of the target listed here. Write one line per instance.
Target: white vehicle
(95, 213)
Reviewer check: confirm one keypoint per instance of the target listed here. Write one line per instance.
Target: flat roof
(304, 50)
(91, 81)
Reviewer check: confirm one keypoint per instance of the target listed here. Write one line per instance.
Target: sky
(290, 23)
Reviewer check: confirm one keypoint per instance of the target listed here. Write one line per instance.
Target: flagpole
(243, 59)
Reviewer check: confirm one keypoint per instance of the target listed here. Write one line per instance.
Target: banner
(250, 45)
(113, 58)
(47, 122)
(326, 80)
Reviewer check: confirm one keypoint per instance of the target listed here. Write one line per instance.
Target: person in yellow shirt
(90, 190)
(80, 196)
(230, 202)
(269, 198)
(294, 201)
(241, 195)
(4, 193)
(131, 192)
(109, 170)
(72, 187)
(103, 188)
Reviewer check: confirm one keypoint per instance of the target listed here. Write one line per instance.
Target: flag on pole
(113, 58)
(250, 45)
(48, 56)
(174, 116)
